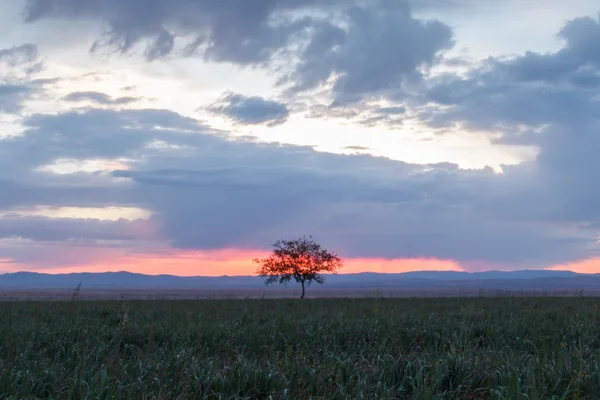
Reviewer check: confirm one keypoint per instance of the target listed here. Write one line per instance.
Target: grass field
(507, 348)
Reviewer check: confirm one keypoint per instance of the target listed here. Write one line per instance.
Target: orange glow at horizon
(589, 266)
(231, 262)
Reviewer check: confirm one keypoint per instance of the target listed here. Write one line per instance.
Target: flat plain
(271, 292)
(378, 348)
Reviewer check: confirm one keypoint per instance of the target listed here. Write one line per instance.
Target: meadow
(478, 348)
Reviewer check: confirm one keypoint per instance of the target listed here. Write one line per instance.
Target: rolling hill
(524, 279)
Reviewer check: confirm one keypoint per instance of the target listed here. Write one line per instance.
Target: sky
(186, 136)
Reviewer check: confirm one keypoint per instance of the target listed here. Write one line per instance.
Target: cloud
(74, 230)
(207, 191)
(371, 60)
(355, 50)
(251, 110)
(533, 89)
(391, 110)
(161, 47)
(231, 30)
(99, 98)
(356, 148)
(94, 133)
(17, 65)
(363, 48)
(381, 50)
(12, 97)
(29, 190)
(24, 56)
(576, 64)
(364, 113)
(537, 100)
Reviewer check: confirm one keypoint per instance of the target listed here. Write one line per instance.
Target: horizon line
(327, 274)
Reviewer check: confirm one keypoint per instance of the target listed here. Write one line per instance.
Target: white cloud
(99, 213)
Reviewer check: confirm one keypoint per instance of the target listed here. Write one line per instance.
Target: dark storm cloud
(100, 98)
(251, 110)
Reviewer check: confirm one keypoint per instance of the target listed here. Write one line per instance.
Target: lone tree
(302, 260)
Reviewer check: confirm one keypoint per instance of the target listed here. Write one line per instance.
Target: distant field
(274, 292)
(470, 348)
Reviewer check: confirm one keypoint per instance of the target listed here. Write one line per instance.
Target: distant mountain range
(514, 280)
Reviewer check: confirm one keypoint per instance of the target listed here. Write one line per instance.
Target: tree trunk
(302, 290)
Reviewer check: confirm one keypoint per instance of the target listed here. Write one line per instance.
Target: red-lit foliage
(302, 260)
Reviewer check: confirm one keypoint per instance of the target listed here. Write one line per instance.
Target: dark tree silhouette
(302, 260)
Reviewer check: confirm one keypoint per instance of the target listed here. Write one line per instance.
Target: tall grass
(535, 348)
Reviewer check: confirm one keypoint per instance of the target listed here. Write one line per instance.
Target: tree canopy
(302, 260)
